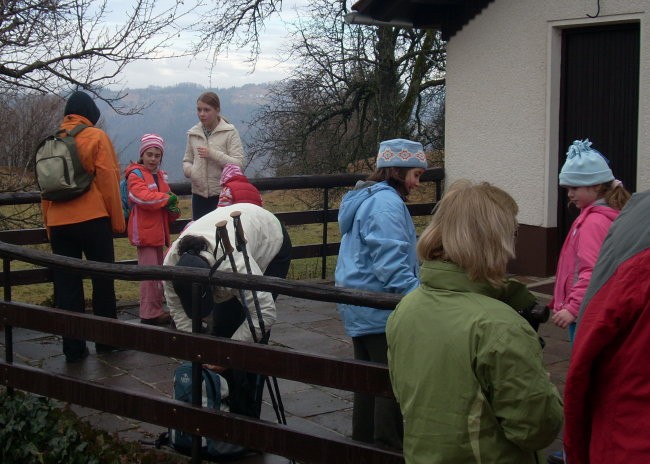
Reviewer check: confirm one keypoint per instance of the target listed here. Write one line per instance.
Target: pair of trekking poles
(223, 242)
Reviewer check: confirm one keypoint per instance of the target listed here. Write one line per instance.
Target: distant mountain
(170, 112)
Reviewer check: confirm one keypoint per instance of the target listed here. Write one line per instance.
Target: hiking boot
(74, 359)
(163, 319)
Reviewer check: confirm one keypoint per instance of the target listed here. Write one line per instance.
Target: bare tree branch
(235, 24)
(51, 46)
(353, 86)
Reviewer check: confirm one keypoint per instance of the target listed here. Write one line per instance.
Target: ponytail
(614, 194)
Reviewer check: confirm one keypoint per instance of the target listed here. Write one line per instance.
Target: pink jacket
(578, 256)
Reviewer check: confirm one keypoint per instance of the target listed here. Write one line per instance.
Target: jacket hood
(353, 200)
(449, 276)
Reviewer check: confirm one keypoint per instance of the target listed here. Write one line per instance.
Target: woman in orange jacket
(85, 224)
(154, 207)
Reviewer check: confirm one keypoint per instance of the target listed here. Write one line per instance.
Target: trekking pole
(240, 244)
(228, 250)
(224, 241)
(197, 371)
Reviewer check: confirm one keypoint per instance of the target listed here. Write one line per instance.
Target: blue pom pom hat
(584, 166)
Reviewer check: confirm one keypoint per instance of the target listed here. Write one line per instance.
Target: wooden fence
(272, 361)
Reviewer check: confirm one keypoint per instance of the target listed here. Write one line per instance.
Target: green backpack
(59, 172)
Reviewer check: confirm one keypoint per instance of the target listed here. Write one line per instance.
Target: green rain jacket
(467, 371)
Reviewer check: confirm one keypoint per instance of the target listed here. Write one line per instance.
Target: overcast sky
(231, 70)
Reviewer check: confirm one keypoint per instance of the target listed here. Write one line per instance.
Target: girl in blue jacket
(378, 254)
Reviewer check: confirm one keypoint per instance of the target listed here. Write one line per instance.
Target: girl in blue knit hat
(378, 254)
(592, 188)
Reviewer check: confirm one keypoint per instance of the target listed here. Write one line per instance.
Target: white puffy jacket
(264, 237)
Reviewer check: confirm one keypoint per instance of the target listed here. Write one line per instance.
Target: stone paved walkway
(303, 325)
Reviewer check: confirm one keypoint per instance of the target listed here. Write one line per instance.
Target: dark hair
(189, 249)
(193, 244)
(394, 176)
(210, 98)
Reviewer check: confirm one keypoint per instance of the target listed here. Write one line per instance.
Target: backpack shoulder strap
(77, 129)
(137, 172)
(73, 132)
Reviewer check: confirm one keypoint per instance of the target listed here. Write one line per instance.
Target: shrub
(35, 429)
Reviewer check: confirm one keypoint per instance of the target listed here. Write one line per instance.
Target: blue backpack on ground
(210, 398)
(124, 194)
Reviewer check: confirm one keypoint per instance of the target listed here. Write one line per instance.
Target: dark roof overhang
(449, 16)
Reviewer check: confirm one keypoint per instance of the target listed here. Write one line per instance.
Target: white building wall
(502, 92)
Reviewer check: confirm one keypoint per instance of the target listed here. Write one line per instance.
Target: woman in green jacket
(466, 369)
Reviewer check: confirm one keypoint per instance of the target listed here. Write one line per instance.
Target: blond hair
(614, 194)
(473, 226)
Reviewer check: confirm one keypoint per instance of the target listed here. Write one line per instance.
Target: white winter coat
(264, 237)
(224, 146)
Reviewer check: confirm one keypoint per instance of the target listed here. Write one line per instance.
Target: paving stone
(20, 335)
(109, 422)
(291, 386)
(343, 394)
(311, 402)
(129, 382)
(38, 348)
(298, 315)
(306, 340)
(338, 421)
(309, 426)
(82, 411)
(330, 327)
(153, 374)
(91, 368)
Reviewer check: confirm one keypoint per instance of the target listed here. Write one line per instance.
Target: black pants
(202, 206)
(94, 239)
(376, 420)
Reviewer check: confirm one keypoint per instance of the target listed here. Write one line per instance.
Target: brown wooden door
(599, 100)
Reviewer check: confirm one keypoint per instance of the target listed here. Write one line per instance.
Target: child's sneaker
(556, 458)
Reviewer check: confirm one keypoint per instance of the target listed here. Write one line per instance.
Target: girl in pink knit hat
(153, 208)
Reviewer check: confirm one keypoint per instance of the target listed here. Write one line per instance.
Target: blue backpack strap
(124, 192)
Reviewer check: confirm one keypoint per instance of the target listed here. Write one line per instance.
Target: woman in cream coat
(211, 144)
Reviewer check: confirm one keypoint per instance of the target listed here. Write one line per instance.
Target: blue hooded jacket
(377, 252)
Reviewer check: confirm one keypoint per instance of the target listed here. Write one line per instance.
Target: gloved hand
(173, 201)
(174, 210)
